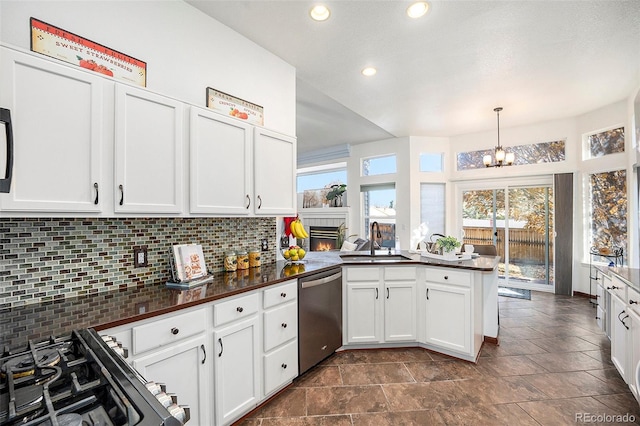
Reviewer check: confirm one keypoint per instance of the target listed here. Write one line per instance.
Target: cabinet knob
(284, 325)
(284, 366)
(613, 287)
(175, 331)
(446, 277)
(239, 309)
(283, 294)
(632, 302)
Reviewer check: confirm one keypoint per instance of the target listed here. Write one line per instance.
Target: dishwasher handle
(313, 283)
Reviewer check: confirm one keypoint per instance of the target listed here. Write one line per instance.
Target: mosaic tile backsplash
(55, 258)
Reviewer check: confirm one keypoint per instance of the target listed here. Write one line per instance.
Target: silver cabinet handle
(95, 185)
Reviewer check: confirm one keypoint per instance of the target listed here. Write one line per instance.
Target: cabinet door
(619, 336)
(57, 115)
(363, 312)
(220, 158)
(634, 352)
(400, 311)
(274, 166)
(236, 374)
(148, 152)
(183, 368)
(448, 317)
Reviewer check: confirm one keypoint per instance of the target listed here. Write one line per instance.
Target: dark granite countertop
(110, 309)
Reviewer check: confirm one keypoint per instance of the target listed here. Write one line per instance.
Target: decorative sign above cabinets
(68, 47)
(235, 107)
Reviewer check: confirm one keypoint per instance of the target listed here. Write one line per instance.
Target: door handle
(95, 185)
(376, 293)
(221, 347)
(427, 294)
(248, 202)
(387, 292)
(5, 183)
(260, 202)
(204, 352)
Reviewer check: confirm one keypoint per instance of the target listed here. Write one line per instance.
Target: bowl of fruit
(294, 254)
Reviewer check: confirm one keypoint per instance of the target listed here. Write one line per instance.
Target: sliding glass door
(518, 220)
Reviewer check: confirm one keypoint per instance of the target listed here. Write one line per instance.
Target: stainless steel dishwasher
(319, 317)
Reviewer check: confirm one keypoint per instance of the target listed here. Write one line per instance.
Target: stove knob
(164, 399)
(178, 412)
(154, 388)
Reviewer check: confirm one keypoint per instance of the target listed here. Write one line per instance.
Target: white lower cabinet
(183, 368)
(634, 352)
(381, 304)
(236, 370)
(280, 367)
(619, 331)
(363, 312)
(447, 322)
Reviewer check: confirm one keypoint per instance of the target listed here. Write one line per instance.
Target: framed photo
(235, 107)
(73, 49)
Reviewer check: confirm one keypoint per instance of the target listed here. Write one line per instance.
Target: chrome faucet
(374, 236)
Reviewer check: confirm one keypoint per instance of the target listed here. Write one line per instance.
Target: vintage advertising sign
(68, 47)
(235, 107)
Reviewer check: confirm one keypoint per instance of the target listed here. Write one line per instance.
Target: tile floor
(552, 364)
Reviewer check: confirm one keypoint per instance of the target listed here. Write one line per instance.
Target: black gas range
(79, 379)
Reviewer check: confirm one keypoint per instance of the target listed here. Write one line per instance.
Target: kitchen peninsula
(248, 320)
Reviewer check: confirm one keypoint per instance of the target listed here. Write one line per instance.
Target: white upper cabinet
(148, 152)
(220, 164)
(57, 115)
(274, 173)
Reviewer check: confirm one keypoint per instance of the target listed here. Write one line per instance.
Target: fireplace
(323, 238)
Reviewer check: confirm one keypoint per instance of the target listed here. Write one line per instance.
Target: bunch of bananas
(297, 230)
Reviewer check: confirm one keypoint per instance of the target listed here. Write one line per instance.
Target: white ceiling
(443, 74)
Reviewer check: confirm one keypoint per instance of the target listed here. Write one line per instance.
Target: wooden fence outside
(525, 246)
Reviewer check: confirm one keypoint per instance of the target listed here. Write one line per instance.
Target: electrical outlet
(140, 257)
(264, 245)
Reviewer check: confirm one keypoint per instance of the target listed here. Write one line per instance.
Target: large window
(544, 152)
(432, 220)
(315, 183)
(608, 201)
(379, 205)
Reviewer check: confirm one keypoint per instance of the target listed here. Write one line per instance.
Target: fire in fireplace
(323, 238)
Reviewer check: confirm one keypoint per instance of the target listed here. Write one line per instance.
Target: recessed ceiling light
(417, 9)
(320, 12)
(369, 71)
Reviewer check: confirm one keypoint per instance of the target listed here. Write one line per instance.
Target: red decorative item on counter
(287, 225)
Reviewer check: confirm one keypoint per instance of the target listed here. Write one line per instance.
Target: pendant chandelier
(502, 158)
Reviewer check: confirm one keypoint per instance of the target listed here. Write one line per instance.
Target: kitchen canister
(243, 259)
(230, 261)
(254, 258)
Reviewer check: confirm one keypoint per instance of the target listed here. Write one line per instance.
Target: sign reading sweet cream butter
(235, 107)
(68, 47)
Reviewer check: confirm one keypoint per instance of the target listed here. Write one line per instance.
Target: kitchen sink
(376, 258)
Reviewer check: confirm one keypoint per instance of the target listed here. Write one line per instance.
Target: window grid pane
(379, 165)
(605, 143)
(379, 206)
(608, 196)
(432, 207)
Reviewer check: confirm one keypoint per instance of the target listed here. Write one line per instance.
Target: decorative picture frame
(68, 47)
(235, 107)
